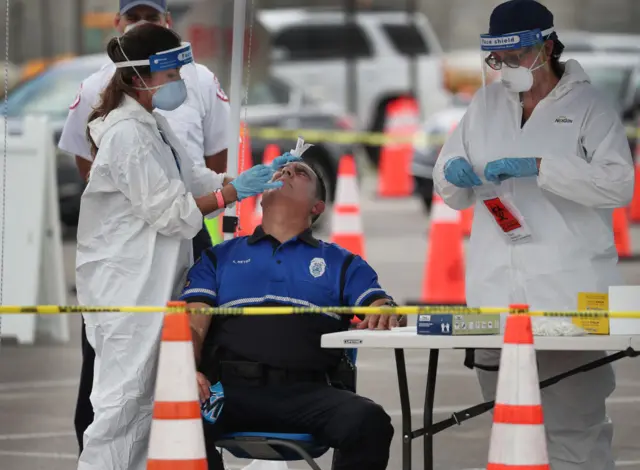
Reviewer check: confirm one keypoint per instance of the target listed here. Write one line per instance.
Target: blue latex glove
(255, 180)
(282, 160)
(458, 171)
(505, 168)
(212, 407)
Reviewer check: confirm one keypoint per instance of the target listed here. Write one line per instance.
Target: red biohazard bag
(507, 218)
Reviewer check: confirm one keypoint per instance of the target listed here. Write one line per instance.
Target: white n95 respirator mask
(520, 79)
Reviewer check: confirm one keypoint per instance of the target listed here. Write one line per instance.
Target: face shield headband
(170, 95)
(165, 60)
(514, 78)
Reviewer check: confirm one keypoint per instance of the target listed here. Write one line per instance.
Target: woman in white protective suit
(545, 160)
(143, 204)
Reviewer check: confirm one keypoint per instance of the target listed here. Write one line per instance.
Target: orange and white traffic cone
(346, 223)
(518, 438)
(245, 208)
(466, 221)
(394, 172)
(177, 439)
(621, 233)
(634, 208)
(271, 152)
(444, 270)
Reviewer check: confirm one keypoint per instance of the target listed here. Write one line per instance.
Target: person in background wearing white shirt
(201, 125)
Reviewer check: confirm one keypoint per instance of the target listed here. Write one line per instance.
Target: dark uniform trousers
(357, 427)
(84, 409)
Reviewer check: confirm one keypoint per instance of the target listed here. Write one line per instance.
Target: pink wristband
(220, 199)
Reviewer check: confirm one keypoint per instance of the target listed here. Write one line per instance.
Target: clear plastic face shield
(167, 69)
(512, 58)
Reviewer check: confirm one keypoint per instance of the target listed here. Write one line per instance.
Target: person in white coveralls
(144, 202)
(201, 124)
(544, 159)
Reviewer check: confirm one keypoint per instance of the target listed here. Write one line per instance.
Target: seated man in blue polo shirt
(272, 369)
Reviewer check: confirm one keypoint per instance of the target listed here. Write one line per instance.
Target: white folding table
(400, 339)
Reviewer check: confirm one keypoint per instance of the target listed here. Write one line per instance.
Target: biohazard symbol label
(503, 216)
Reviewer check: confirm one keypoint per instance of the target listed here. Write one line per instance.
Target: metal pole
(235, 97)
(352, 72)
(78, 11)
(412, 9)
(45, 30)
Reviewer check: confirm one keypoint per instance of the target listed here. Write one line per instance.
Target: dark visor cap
(515, 16)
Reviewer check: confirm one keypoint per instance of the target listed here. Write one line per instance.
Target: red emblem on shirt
(219, 91)
(76, 102)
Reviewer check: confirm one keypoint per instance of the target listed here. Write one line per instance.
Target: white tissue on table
(545, 326)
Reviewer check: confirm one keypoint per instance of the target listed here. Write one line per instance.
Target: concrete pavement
(38, 385)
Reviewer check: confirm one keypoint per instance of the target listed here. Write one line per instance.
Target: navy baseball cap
(126, 5)
(515, 16)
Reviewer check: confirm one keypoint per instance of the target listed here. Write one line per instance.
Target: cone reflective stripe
(271, 152)
(518, 440)
(177, 440)
(346, 223)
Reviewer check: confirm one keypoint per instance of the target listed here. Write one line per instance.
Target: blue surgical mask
(170, 96)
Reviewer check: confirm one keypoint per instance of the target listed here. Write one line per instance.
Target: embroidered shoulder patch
(76, 102)
(219, 91)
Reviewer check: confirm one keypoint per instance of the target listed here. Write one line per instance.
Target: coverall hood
(573, 75)
(129, 109)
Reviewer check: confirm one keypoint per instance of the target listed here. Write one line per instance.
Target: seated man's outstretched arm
(362, 289)
(200, 291)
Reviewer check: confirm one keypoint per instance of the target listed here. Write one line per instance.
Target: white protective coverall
(586, 172)
(137, 218)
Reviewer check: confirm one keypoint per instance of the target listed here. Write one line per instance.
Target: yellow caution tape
(344, 137)
(408, 310)
(419, 139)
(62, 309)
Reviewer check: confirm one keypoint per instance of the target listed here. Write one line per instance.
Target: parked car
(310, 46)
(272, 103)
(617, 76)
(586, 41)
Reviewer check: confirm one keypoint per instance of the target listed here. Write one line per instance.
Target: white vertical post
(237, 60)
